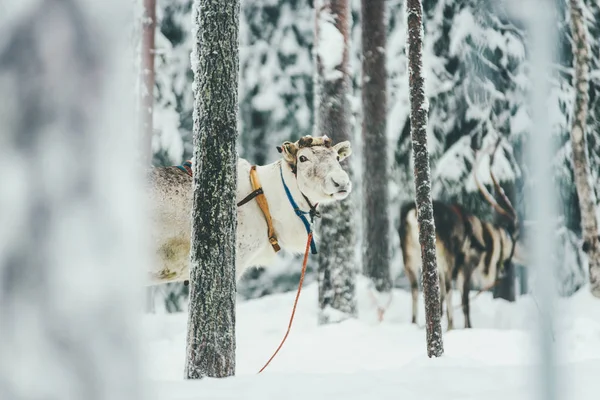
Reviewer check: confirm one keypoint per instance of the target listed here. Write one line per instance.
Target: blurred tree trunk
(581, 166)
(211, 323)
(376, 223)
(337, 261)
(148, 74)
(146, 101)
(418, 122)
(71, 219)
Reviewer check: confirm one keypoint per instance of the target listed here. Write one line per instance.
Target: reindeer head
(316, 164)
(513, 246)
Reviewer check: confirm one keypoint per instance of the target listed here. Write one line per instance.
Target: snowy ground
(359, 359)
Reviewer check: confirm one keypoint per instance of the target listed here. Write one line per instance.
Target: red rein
(295, 303)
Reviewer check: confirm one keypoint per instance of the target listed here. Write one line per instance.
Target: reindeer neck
(270, 176)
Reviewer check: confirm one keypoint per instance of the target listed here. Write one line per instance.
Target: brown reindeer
(468, 249)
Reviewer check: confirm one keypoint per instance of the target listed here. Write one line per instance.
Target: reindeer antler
(486, 194)
(499, 189)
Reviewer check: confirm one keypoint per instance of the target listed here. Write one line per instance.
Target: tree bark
(71, 230)
(418, 122)
(581, 164)
(376, 223)
(337, 264)
(148, 75)
(146, 101)
(211, 324)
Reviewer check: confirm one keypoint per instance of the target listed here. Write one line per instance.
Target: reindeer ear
(343, 149)
(289, 150)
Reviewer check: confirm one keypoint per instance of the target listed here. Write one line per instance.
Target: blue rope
(301, 214)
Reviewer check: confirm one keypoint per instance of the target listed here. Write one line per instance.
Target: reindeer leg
(449, 308)
(414, 288)
(442, 292)
(465, 297)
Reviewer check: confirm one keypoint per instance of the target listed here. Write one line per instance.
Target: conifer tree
(337, 263)
(211, 323)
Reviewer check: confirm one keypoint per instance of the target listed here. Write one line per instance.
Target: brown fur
(466, 248)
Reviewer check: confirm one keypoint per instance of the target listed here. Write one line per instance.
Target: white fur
(171, 213)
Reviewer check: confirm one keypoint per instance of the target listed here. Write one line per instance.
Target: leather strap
(251, 196)
(264, 206)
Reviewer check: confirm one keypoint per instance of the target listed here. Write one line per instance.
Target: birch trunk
(72, 229)
(581, 164)
(418, 122)
(376, 223)
(211, 324)
(337, 264)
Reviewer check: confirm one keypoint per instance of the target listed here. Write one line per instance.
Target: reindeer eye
(338, 158)
(302, 159)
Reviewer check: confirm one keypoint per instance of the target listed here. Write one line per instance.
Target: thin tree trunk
(70, 217)
(148, 73)
(211, 324)
(146, 101)
(418, 121)
(337, 266)
(581, 164)
(376, 223)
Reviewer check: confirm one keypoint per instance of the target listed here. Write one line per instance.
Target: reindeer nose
(338, 182)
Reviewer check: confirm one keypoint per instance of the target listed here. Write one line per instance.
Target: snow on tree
(418, 121)
(72, 203)
(337, 261)
(563, 95)
(172, 141)
(211, 323)
(581, 166)
(469, 99)
(276, 96)
(475, 61)
(376, 221)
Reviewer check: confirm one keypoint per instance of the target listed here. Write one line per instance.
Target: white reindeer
(310, 170)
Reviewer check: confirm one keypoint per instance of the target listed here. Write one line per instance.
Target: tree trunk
(581, 166)
(147, 89)
(71, 230)
(211, 324)
(376, 223)
(146, 102)
(418, 122)
(337, 269)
